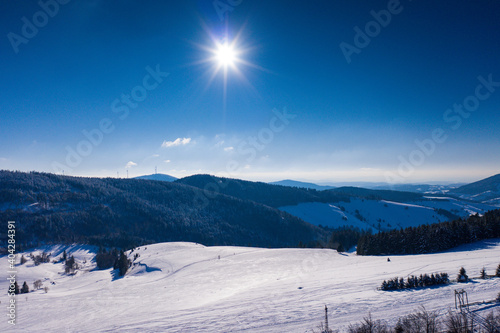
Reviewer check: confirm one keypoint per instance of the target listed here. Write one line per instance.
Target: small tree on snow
(25, 289)
(497, 274)
(483, 273)
(462, 275)
(70, 266)
(123, 263)
(23, 260)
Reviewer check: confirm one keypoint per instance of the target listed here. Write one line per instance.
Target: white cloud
(130, 164)
(176, 142)
(229, 149)
(167, 161)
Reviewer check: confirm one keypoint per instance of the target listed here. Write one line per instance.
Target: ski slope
(185, 287)
(386, 215)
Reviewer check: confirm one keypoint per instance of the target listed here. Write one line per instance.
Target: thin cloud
(176, 142)
(229, 149)
(130, 164)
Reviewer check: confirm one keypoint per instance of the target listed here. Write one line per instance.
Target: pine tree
(384, 285)
(123, 263)
(23, 260)
(462, 275)
(25, 289)
(65, 256)
(483, 273)
(497, 274)
(70, 266)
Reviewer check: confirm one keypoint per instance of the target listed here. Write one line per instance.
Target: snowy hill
(185, 287)
(385, 214)
(486, 191)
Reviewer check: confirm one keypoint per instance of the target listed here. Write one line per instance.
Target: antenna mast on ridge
(326, 320)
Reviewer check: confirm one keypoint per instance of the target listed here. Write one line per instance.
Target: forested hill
(279, 196)
(271, 195)
(126, 212)
(433, 237)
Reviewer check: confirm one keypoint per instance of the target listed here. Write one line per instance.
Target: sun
(225, 55)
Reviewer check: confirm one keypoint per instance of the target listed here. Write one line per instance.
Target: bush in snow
(457, 322)
(37, 284)
(369, 325)
(492, 322)
(421, 321)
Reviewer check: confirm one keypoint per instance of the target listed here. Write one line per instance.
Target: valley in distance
(211, 254)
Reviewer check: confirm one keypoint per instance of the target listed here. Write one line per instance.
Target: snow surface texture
(185, 287)
(372, 214)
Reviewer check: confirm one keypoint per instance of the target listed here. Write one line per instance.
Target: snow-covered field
(185, 287)
(372, 214)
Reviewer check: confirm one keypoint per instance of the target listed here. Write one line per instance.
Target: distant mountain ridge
(295, 183)
(158, 176)
(279, 195)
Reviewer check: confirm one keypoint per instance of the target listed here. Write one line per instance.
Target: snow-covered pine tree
(462, 275)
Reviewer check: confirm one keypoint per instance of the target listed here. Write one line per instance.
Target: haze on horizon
(398, 91)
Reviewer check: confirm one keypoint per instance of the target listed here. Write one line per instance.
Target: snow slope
(185, 287)
(370, 214)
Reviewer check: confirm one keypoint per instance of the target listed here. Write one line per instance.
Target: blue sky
(300, 104)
